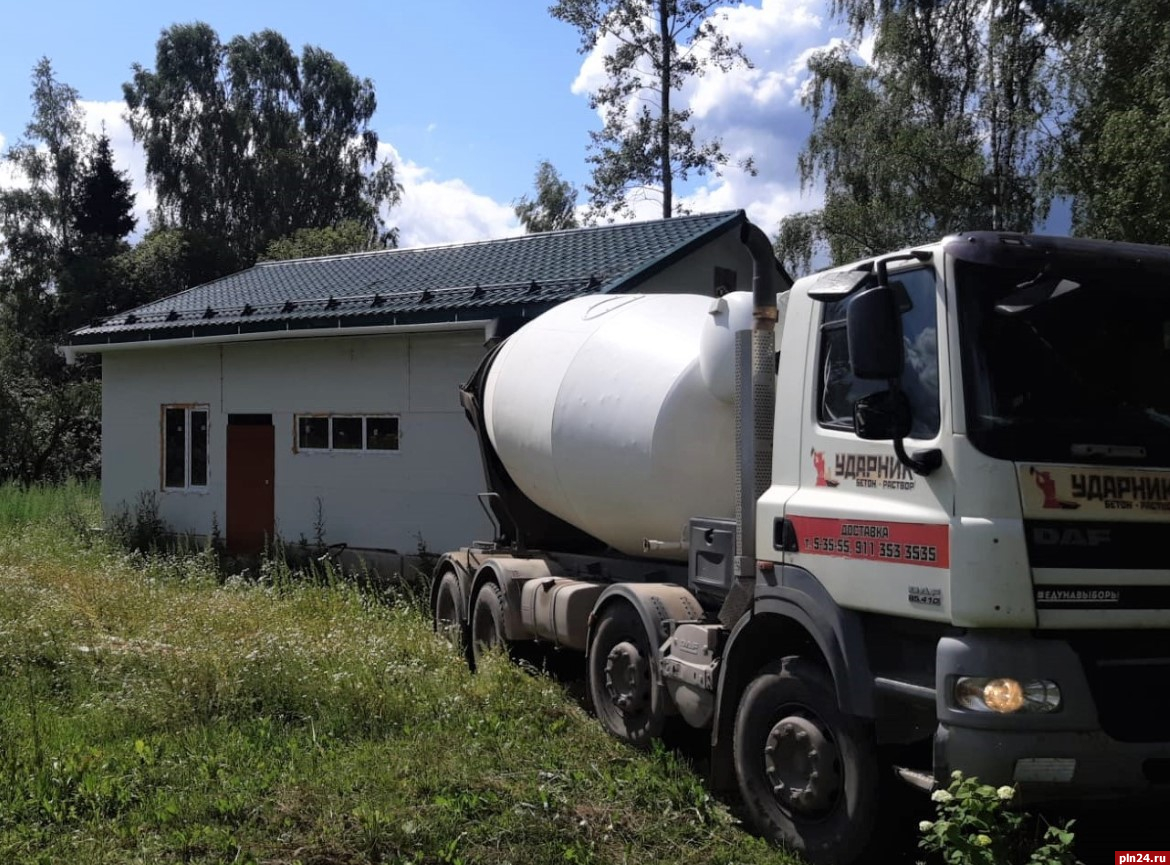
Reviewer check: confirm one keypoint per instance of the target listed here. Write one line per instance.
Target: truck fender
(792, 600)
(509, 574)
(657, 604)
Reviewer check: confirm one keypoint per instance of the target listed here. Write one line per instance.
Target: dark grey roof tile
(446, 281)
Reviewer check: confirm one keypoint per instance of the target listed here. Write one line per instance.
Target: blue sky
(471, 93)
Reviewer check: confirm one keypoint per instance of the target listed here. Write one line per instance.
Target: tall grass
(23, 505)
(152, 711)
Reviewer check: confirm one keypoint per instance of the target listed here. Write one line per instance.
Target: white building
(322, 393)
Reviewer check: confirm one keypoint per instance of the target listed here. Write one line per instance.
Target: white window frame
(188, 428)
(329, 434)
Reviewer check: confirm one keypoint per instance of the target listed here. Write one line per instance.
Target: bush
(976, 825)
(141, 530)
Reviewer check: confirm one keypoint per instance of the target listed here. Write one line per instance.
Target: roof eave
(71, 351)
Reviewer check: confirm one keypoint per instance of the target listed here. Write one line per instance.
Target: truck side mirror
(882, 416)
(873, 327)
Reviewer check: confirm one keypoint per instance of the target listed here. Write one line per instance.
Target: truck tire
(621, 680)
(807, 772)
(487, 622)
(448, 615)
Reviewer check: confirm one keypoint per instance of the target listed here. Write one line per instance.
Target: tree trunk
(664, 120)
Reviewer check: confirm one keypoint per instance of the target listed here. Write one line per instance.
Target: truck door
(874, 533)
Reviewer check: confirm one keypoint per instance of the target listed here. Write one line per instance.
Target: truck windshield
(1067, 364)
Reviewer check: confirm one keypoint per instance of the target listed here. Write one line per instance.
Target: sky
(472, 94)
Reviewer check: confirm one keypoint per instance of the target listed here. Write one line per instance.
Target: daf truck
(897, 519)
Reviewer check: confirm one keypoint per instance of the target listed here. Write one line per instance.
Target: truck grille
(1129, 677)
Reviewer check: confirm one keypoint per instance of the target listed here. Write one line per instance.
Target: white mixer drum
(604, 413)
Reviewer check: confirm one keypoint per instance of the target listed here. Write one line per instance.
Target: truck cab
(1003, 572)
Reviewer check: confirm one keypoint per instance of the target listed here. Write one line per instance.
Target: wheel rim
(803, 765)
(627, 678)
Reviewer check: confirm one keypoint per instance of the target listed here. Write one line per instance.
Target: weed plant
(154, 710)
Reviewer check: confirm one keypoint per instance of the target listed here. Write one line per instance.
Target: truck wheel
(487, 622)
(448, 618)
(621, 681)
(448, 613)
(808, 773)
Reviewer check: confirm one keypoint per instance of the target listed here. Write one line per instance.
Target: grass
(152, 711)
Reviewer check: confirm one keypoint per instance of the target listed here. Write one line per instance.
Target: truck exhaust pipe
(755, 400)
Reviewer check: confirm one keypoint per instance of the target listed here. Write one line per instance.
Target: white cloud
(756, 112)
(437, 211)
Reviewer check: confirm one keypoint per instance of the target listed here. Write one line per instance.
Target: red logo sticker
(1047, 485)
(823, 480)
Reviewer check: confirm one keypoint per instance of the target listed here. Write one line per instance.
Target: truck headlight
(1005, 695)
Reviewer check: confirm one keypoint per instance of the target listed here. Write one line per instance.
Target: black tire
(808, 773)
(487, 622)
(448, 615)
(621, 682)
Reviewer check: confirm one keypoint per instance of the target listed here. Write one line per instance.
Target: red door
(251, 503)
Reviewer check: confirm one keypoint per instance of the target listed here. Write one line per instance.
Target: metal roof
(515, 276)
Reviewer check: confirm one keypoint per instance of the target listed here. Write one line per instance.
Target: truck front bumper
(1054, 766)
(1108, 740)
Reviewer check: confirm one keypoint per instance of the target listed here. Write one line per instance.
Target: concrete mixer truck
(900, 519)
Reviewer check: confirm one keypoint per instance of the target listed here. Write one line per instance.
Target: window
(347, 432)
(184, 447)
(725, 279)
(840, 390)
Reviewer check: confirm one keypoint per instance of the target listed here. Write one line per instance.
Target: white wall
(695, 274)
(368, 500)
(135, 386)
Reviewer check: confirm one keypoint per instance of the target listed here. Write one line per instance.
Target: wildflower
(1005, 792)
(925, 826)
(982, 841)
(941, 796)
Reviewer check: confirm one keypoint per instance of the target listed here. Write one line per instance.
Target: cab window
(839, 390)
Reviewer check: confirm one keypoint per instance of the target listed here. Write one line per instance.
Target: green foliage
(139, 528)
(59, 236)
(49, 424)
(941, 133)
(45, 504)
(247, 143)
(90, 283)
(1117, 72)
(151, 711)
(36, 220)
(103, 210)
(645, 143)
(348, 236)
(977, 826)
(553, 208)
(170, 260)
(799, 241)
